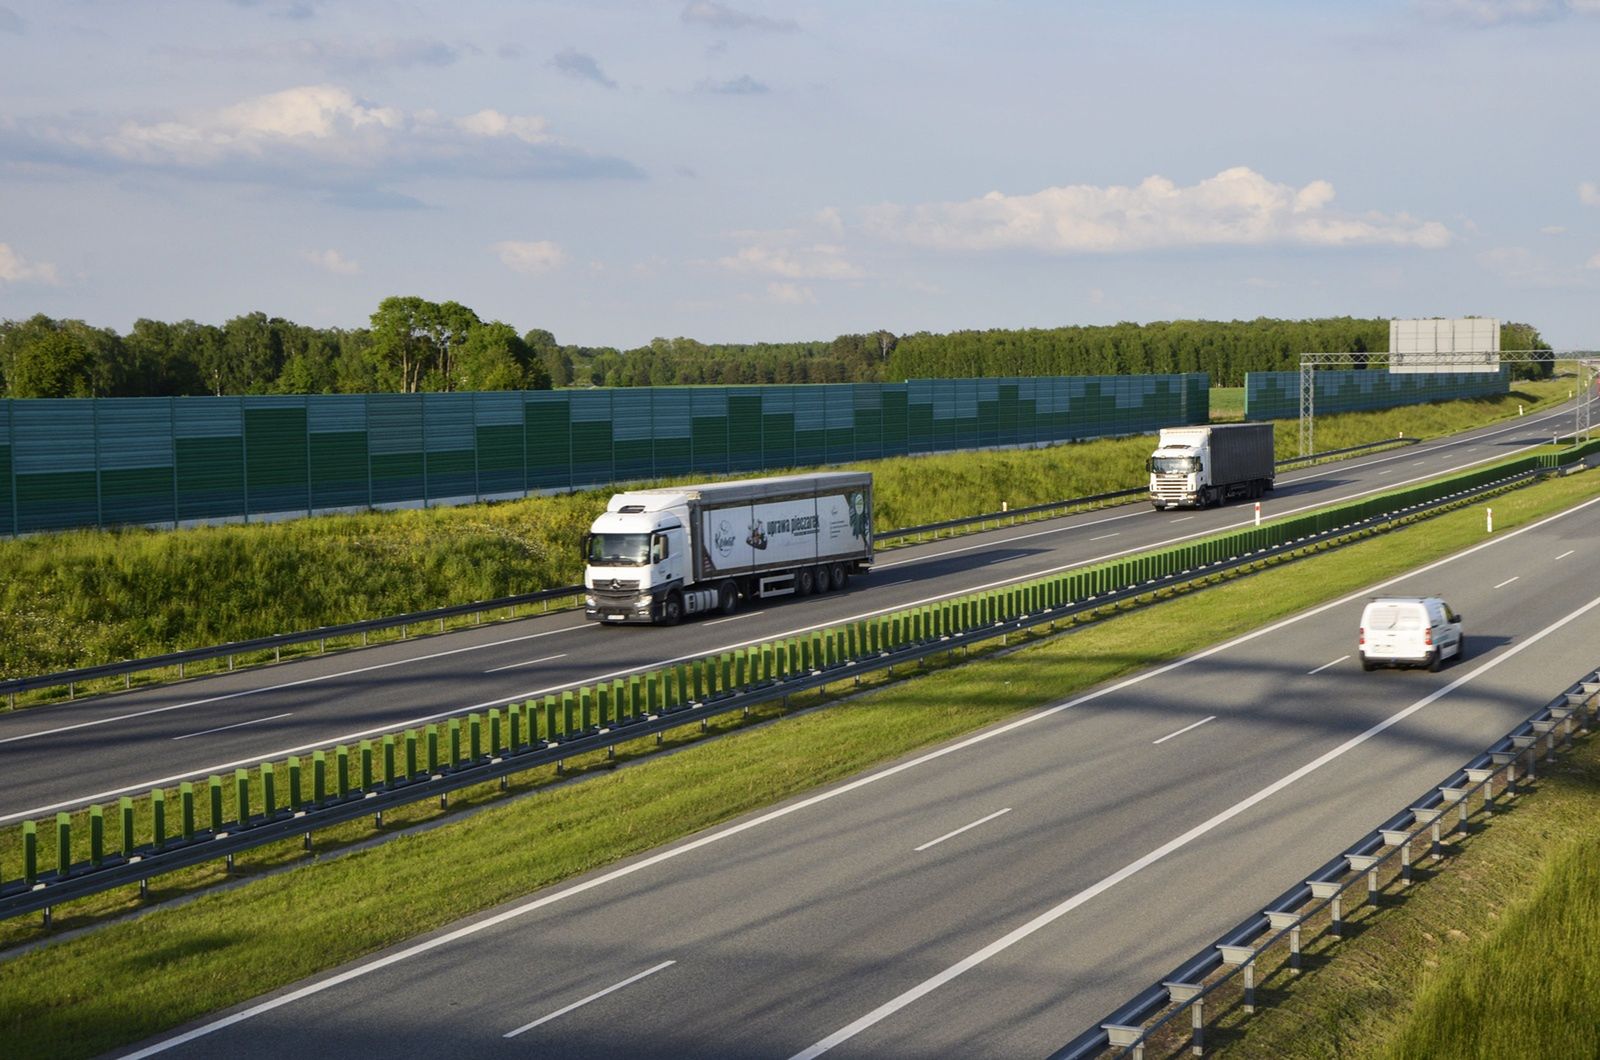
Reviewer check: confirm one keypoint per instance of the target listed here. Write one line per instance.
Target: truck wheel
(838, 576)
(727, 598)
(672, 610)
(805, 581)
(822, 580)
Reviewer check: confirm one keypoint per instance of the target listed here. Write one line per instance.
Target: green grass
(1227, 404)
(86, 597)
(127, 980)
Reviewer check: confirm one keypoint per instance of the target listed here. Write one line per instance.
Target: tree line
(412, 345)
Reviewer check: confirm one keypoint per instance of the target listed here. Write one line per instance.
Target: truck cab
(1178, 476)
(637, 560)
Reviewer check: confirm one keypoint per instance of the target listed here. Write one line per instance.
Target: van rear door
(1393, 630)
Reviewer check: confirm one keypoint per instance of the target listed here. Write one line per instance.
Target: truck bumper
(617, 611)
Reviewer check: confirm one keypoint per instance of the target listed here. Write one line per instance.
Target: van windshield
(1174, 465)
(619, 550)
(1390, 616)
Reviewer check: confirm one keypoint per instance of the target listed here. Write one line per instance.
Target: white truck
(657, 555)
(1197, 467)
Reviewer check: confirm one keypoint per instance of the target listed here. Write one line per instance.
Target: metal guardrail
(34, 893)
(277, 642)
(1390, 848)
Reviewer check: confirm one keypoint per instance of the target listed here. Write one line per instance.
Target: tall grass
(84, 597)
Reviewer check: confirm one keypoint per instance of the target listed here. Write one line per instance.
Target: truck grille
(616, 585)
(1168, 488)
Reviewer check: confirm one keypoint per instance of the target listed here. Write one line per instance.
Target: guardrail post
(294, 782)
(433, 748)
(158, 813)
(586, 703)
(186, 804)
(269, 789)
(389, 773)
(319, 777)
(475, 736)
(569, 714)
(366, 766)
(30, 853)
(1279, 920)
(455, 742)
(125, 806)
(496, 734)
(620, 707)
(549, 719)
(411, 753)
(241, 780)
(63, 845)
(514, 716)
(341, 767)
(97, 835)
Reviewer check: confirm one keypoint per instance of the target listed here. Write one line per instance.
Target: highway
(994, 896)
(67, 755)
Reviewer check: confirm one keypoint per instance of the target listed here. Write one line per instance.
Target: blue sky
(616, 170)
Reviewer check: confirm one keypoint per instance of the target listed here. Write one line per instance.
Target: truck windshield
(1174, 465)
(619, 550)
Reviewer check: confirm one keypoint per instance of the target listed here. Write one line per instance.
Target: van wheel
(727, 598)
(672, 610)
(1461, 649)
(1435, 661)
(838, 576)
(1368, 665)
(805, 582)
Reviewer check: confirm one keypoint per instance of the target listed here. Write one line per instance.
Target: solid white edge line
(1185, 729)
(236, 725)
(146, 785)
(672, 852)
(1508, 581)
(530, 662)
(1324, 666)
(81, 800)
(1054, 913)
(958, 831)
(596, 996)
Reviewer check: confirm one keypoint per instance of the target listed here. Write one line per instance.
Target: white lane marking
(596, 996)
(529, 693)
(958, 831)
(1185, 729)
(1184, 519)
(1056, 912)
(1567, 553)
(1324, 666)
(1508, 581)
(237, 725)
(1386, 471)
(707, 839)
(1102, 537)
(530, 662)
(280, 687)
(1419, 463)
(732, 618)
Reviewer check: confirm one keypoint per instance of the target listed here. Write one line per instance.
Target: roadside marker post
(1488, 520)
(1258, 513)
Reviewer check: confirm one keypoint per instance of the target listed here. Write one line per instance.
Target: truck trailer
(1197, 467)
(657, 555)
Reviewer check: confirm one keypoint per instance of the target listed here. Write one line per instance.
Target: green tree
(46, 358)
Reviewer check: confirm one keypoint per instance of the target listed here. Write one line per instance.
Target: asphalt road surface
(65, 756)
(997, 895)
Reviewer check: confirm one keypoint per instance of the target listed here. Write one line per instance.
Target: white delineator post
(1258, 513)
(1488, 520)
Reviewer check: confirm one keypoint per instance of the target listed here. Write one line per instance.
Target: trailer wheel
(727, 598)
(672, 609)
(822, 580)
(805, 581)
(838, 575)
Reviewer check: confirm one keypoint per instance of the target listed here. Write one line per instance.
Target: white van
(1409, 631)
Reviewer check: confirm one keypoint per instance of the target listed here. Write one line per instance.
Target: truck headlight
(588, 601)
(646, 600)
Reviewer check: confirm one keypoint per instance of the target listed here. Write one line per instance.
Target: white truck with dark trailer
(657, 555)
(1197, 467)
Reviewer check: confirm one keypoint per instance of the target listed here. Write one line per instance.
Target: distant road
(997, 895)
(67, 755)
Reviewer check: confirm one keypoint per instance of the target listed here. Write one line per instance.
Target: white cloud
(331, 260)
(1519, 267)
(322, 135)
(1593, 263)
(1589, 193)
(530, 258)
(1497, 12)
(1553, 230)
(790, 294)
(1237, 207)
(818, 261)
(743, 85)
(721, 16)
(14, 268)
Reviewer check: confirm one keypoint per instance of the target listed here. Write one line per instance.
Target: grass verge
(86, 597)
(130, 979)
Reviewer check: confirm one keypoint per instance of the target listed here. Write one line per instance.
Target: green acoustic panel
(549, 436)
(339, 469)
(501, 459)
(397, 478)
(1276, 395)
(57, 501)
(210, 477)
(276, 460)
(136, 496)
